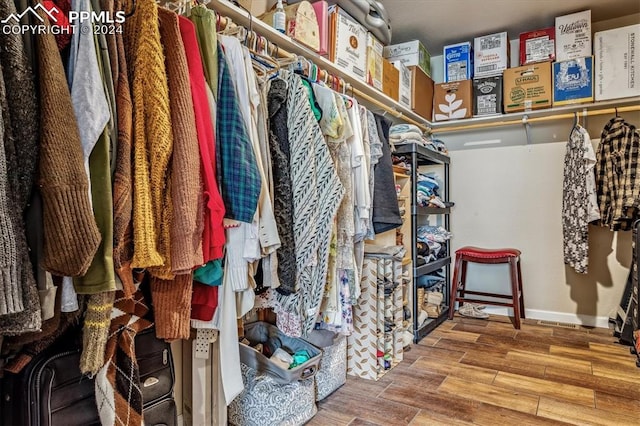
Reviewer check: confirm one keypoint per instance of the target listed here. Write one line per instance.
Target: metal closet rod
(569, 115)
(224, 21)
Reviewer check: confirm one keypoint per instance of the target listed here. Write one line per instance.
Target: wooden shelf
(243, 18)
(517, 118)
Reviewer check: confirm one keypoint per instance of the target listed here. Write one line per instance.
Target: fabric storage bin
(265, 402)
(261, 332)
(332, 372)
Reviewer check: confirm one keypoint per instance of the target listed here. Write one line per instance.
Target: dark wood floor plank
(597, 383)
(485, 330)
(550, 340)
(533, 346)
(326, 417)
(457, 345)
(501, 363)
(618, 404)
(581, 415)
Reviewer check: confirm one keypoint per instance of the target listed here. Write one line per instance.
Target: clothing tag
(204, 339)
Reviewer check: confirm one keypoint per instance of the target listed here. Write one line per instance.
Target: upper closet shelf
(367, 95)
(556, 113)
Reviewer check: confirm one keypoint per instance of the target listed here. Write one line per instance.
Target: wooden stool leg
(514, 292)
(521, 292)
(463, 280)
(454, 286)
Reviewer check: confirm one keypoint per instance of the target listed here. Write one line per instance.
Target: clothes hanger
(133, 10)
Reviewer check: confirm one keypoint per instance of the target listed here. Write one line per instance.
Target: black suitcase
(51, 391)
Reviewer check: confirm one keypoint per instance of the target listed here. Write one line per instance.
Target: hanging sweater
(71, 234)
(19, 302)
(152, 139)
(213, 237)
(186, 227)
(122, 182)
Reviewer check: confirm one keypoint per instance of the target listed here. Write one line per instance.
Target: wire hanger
(133, 10)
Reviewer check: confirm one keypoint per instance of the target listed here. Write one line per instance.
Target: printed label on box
(573, 81)
(351, 49)
(491, 54)
(539, 49)
(573, 36)
(458, 62)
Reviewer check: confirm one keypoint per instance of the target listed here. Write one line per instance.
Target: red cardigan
(213, 237)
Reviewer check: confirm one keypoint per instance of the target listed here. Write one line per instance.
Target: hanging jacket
(213, 237)
(617, 186)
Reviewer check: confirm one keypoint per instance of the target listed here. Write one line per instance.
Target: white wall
(511, 196)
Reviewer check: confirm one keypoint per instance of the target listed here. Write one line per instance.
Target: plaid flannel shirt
(618, 188)
(238, 172)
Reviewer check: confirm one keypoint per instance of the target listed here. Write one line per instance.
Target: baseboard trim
(586, 320)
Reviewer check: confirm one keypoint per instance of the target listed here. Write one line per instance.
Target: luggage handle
(308, 372)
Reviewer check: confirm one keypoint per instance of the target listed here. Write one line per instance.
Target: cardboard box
(487, 95)
(453, 100)
(527, 87)
(404, 91)
(538, 46)
(411, 53)
(322, 15)
(255, 7)
(573, 81)
(301, 24)
(422, 91)
(490, 54)
(348, 42)
(573, 36)
(374, 61)
(390, 80)
(616, 69)
(458, 62)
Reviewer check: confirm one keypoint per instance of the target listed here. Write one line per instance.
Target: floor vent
(558, 324)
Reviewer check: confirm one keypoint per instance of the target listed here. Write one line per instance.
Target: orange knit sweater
(152, 140)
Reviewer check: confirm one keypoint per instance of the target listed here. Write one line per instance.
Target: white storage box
(573, 36)
(404, 87)
(490, 54)
(616, 70)
(263, 402)
(411, 53)
(332, 372)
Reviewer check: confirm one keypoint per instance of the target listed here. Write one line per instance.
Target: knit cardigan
(186, 227)
(213, 236)
(172, 298)
(71, 234)
(152, 139)
(19, 302)
(122, 181)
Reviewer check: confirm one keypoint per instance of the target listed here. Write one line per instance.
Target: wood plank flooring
(471, 371)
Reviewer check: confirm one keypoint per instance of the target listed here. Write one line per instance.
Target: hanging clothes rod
(564, 116)
(224, 22)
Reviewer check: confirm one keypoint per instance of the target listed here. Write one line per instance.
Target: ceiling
(441, 22)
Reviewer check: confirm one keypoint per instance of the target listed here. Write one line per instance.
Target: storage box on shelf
(573, 81)
(573, 36)
(616, 69)
(421, 157)
(288, 47)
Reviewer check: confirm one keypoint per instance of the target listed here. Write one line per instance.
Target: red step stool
(493, 256)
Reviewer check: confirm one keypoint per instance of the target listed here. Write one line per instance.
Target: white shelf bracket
(527, 128)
